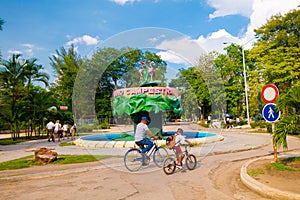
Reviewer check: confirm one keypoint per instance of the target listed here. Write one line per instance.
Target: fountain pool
(126, 140)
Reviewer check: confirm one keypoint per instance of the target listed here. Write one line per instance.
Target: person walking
(73, 131)
(65, 131)
(50, 130)
(57, 130)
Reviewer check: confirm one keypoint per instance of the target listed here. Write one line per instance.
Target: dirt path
(212, 179)
(216, 177)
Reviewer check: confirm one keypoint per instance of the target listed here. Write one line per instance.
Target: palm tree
(33, 73)
(290, 123)
(1, 24)
(13, 78)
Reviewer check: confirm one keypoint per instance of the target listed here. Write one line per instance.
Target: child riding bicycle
(177, 139)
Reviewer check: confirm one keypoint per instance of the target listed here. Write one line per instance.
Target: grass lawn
(29, 161)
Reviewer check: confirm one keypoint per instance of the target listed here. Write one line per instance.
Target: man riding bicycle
(140, 138)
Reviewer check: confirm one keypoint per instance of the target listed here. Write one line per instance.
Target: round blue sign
(270, 112)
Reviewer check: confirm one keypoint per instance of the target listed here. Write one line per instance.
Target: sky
(36, 29)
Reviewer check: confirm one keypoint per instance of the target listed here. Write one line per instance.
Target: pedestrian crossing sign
(270, 112)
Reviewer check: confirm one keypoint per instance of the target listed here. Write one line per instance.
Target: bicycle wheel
(159, 156)
(191, 162)
(169, 166)
(133, 160)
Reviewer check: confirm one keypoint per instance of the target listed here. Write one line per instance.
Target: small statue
(146, 71)
(151, 70)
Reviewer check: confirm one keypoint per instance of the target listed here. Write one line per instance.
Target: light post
(245, 79)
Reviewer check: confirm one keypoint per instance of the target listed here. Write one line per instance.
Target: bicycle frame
(185, 152)
(169, 165)
(158, 154)
(154, 148)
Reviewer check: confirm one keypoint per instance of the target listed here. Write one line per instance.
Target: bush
(260, 124)
(206, 125)
(104, 125)
(86, 128)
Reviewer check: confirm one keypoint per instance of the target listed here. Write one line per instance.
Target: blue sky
(38, 28)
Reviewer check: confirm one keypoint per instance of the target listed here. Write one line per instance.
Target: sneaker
(178, 166)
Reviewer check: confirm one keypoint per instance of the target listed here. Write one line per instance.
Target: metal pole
(245, 78)
(246, 91)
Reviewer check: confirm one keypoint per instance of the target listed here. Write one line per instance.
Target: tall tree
(277, 61)
(1, 24)
(230, 66)
(66, 64)
(289, 123)
(277, 52)
(33, 73)
(13, 78)
(122, 72)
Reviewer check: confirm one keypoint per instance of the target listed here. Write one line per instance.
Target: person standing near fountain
(140, 138)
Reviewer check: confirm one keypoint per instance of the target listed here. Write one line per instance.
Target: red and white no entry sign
(269, 93)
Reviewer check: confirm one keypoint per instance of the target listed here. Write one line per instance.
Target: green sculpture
(147, 99)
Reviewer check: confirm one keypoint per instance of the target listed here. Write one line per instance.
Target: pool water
(130, 136)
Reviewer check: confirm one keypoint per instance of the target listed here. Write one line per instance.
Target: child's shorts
(177, 149)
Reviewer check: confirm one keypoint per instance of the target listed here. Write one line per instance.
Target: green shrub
(86, 128)
(203, 124)
(104, 125)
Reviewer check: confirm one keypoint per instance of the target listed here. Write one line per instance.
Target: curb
(263, 189)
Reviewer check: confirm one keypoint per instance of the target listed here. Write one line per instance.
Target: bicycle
(134, 160)
(169, 165)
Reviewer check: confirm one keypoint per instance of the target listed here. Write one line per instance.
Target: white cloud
(14, 52)
(216, 41)
(155, 39)
(230, 7)
(30, 46)
(170, 56)
(263, 10)
(123, 2)
(185, 48)
(258, 11)
(85, 39)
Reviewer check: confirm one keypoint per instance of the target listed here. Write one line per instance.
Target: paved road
(216, 177)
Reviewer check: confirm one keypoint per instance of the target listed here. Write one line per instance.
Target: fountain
(151, 100)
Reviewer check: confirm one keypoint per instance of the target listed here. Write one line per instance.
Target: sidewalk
(234, 141)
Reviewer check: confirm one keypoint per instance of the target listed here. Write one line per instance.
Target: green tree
(277, 61)
(13, 78)
(33, 73)
(289, 123)
(66, 64)
(230, 66)
(202, 89)
(276, 54)
(1, 24)
(122, 72)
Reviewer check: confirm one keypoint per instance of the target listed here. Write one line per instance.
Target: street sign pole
(269, 94)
